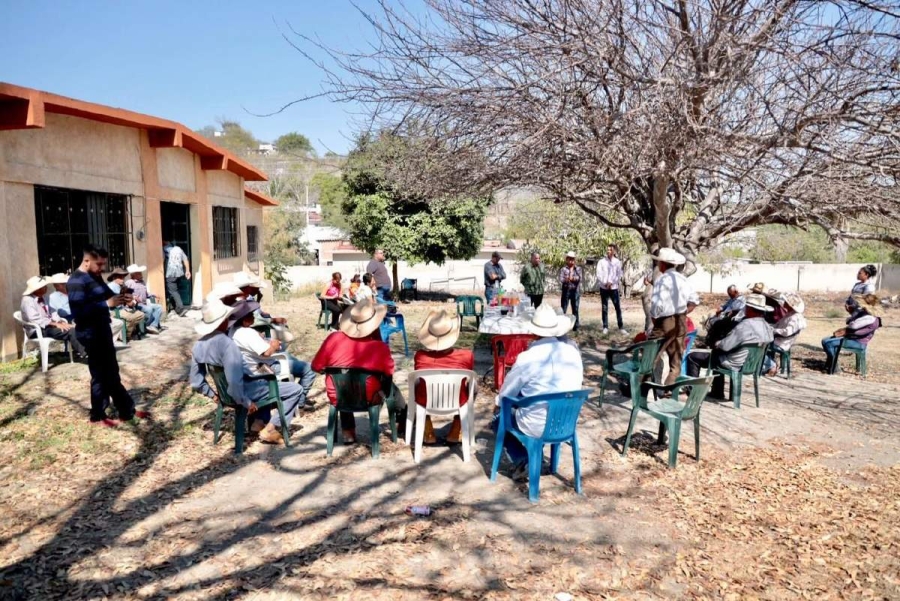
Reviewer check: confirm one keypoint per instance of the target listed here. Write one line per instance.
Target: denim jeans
(489, 293)
(517, 452)
(605, 297)
(384, 293)
(153, 313)
(573, 297)
(831, 344)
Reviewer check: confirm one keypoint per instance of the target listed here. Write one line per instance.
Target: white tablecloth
(496, 324)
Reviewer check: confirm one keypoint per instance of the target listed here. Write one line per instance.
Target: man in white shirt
(551, 364)
(609, 275)
(668, 308)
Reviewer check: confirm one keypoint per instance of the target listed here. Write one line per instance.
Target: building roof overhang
(260, 198)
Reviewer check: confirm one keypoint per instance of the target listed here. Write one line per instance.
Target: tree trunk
(396, 289)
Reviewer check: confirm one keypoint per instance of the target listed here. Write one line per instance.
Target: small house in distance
(73, 172)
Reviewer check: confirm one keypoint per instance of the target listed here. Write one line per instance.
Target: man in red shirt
(358, 344)
(438, 335)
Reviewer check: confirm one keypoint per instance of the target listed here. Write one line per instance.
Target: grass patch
(834, 313)
(18, 365)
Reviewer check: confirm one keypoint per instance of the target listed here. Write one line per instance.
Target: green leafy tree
(295, 144)
(332, 193)
(234, 137)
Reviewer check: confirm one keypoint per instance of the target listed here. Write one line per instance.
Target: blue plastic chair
(393, 324)
(562, 416)
(689, 339)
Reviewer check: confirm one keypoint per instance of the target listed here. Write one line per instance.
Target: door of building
(175, 219)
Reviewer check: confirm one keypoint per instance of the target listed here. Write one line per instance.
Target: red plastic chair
(506, 348)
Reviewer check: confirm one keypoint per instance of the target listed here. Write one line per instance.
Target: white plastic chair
(284, 372)
(42, 343)
(442, 389)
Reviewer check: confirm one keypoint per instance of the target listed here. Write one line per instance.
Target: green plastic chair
(752, 366)
(240, 412)
(470, 306)
(643, 356)
(350, 388)
(142, 325)
(672, 413)
(324, 314)
(860, 358)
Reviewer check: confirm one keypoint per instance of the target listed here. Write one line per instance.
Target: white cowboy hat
(59, 278)
(570, 254)
(548, 324)
(669, 255)
(361, 319)
(213, 313)
(694, 299)
(135, 268)
(223, 289)
(794, 301)
(440, 330)
(242, 279)
(34, 284)
(758, 302)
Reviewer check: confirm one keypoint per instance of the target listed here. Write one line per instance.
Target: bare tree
(682, 120)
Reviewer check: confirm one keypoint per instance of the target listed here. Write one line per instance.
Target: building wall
(175, 169)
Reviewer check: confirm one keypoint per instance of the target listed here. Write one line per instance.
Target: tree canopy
(234, 137)
(295, 144)
(681, 121)
(331, 193)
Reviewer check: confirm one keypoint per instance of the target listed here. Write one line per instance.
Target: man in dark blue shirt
(90, 299)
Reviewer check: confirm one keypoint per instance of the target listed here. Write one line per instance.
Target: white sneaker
(605, 332)
(623, 331)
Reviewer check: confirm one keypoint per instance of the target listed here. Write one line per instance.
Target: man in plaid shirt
(570, 283)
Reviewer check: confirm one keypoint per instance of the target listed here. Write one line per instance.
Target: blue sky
(186, 60)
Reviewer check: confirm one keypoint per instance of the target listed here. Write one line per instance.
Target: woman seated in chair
(357, 344)
(331, 295)
(865, 318)
(438, 335)
(367, 290)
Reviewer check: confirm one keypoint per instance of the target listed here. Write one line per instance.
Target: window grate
(225, 233)
(252, 244)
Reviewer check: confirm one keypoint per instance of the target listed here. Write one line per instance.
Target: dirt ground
(797, 498)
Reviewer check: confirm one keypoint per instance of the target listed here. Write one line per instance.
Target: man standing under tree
(494, 274)
(609, 275)
(90, 299)
(532, 279)
(382, 279)
(178, 268)
(668, 308)
(570, 282)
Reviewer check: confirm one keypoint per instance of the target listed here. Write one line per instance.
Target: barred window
(226, 235)
(68, 220)
(252, 244)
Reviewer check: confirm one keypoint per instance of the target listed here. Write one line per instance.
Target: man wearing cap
(753, 329)
(178, 268)
(551, 364)
(58, 301)
(668, 308)
(570, 284)
(532, 279)
(494, 274)
(438, 334)
(91, 299)
(609, 275)
(142, 297)
(358, 344)
(379, 271)
(215, 347)
(127, 308)
(786, 330)
(36, 313)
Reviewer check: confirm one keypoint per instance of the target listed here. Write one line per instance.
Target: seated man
(257, 351)
(251, 288)
(142, 297)
(786, 330)
(128, 309)
(865, 318)
(216, 348)
(551, 364)
(751, 329)
(367, 290)
(357, 344)
(58, 301)
(726, 318)
(35, 312)
(438, 335)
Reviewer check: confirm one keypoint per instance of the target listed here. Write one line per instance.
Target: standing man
(493, 275)
(609, 275)
(570, 283)
(91, 299)
(178, 268)
(382, 279)
(668, 308)
(532, 279)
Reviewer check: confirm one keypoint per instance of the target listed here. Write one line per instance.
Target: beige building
(73, 172)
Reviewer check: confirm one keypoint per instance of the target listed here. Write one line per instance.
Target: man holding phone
(128, 311)
(90, 299)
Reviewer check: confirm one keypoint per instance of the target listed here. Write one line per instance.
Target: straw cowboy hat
(242, 310)
(213, 313)
(118, 272)
(361, 319)
(757, 288)
(870, 302)
(794, 301)
(223, 289)
(242, 279)
(570, 254)
(135, 268)
(548, 324)
(758, 302)
(669, 255)
(34, 284)
(59, 278)
(440, 330)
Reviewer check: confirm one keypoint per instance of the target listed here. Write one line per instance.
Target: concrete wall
(175, 168)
